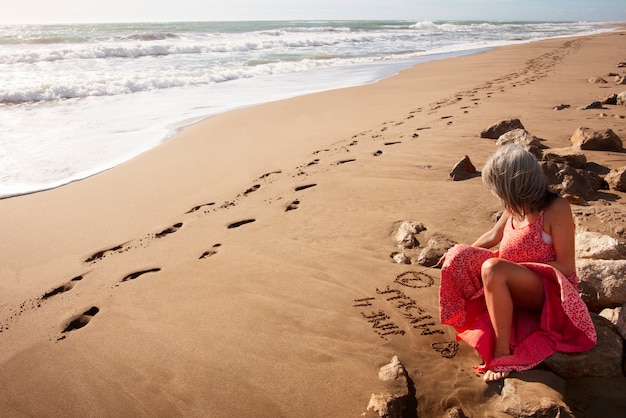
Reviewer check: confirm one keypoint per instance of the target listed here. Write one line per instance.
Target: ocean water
(79, 99)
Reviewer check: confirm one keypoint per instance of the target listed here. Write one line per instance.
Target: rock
(602, 283)
(392, 400)
(620, 79)
(593, 105)
(621, 64)
(594, 245)
(406, 234)
(531, 397)
(616, 179)
(501, 127)
(435, 248)
(400, 258)
(463, 170)
(570, 156)
(617, 317)
(621, 321)
(597, 80)
(611, 314)
(610, 99)
(565, 180)
(609, 220)
(604, 360)
(561, 107)
(621, 98)
(518, 136)
(588, 139)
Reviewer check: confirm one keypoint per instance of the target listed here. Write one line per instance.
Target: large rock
(604, 360)
(463, 170)
(588, 139)
(435, 248)
(500, 128)
(535, 393)
(598, 246)
(570, 156)
(391, 401)
(597, 80)
(518, 136)
(602, 283)
(568, 181)
(593, 105)
(616, 179)
(621, 98)
(610, 99)
(406, 235)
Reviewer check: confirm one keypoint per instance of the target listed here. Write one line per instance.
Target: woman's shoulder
(558, 211)
(558, 204)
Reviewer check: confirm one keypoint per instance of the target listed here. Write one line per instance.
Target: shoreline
(226, 276)
(324, 79)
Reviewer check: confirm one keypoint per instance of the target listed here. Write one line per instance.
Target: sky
(73, 11)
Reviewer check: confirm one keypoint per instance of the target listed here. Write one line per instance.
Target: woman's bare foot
(491, 376)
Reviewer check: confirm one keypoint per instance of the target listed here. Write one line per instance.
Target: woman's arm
(493, 237)
(559, 223)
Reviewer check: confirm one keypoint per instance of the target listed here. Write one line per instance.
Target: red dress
(564, 324)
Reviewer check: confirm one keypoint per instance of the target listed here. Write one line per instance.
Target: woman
(520, 304)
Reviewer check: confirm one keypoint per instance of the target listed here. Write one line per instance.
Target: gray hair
(514, 175)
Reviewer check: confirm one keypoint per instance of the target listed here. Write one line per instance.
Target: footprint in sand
(210, 253)
(306, 186)
(345, 161)
(101, 254)
(252, 189)
(63, 288)
(79, 321)
(292, 206)
(136, 274)
(195, 208)
(240, 223)
(169, 230)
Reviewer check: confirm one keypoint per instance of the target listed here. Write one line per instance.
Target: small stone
(463, 170)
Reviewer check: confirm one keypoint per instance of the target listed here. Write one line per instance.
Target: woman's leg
(508, 285)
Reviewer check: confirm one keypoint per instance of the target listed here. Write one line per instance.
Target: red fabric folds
(564, 324)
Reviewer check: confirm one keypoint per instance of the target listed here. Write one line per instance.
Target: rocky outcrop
(570, 156)
(602, 283)
(500, 128)
(596, 246)
(575, 184)
(610, 99)
(391, 400)
(588, 139)
(616, 179)
(604, 360)
(534, 393)
(621, 99)
(518, 136)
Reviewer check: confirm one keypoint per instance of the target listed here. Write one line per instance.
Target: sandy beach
(243, 267)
